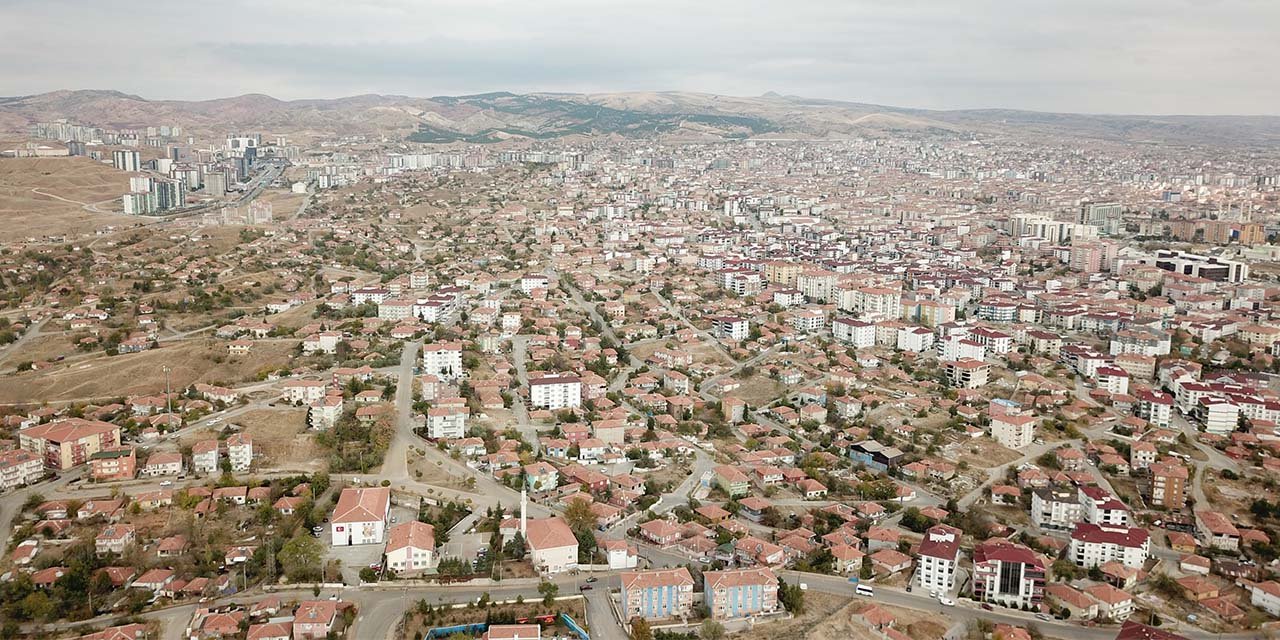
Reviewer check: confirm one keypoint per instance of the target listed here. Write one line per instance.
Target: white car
(166, 483)
(946, 602)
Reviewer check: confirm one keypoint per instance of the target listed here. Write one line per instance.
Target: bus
(864, 590)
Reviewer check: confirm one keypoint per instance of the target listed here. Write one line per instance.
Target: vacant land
(141, 373)
(49, 196)
(844, 624)
(280, 435)
(819, 609)
(759, 390)
(982, 453)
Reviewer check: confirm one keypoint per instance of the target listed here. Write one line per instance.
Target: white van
(864, 590)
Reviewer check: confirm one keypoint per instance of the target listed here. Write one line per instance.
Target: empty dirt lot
(141, 373)
(47, 196)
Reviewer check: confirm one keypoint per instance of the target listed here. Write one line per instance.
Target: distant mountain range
(496, 117)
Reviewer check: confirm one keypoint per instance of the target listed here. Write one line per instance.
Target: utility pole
(168, 393)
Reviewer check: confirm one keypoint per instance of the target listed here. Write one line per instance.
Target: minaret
(524, 513)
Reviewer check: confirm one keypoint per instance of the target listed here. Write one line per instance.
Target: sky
(1090, 56)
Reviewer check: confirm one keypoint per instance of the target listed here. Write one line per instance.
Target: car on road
(946, 602)
(166, 483)
(1043, 616)
(585, 587)
(592, 579)
(333, 597)
(985, 606)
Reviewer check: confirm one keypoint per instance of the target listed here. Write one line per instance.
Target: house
(411, 546)
(1113, 604)
(1265, 596)
(890, 561)
(874, 455)
(360, 516)
(1064, 596)
(113, 463)
(657, 594)
(155, 580)
(660, 532)
(1217, 531)
(270, 631)
(1135, 631)
(314, 619)
(132, 631)
(163, 463)
(621, 554)
(740, 593)
(731, 480)
(114, 539)
(541, 476)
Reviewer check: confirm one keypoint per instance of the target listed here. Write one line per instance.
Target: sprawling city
(635, 365)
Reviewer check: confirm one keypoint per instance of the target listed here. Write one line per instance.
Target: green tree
(791, 596)
(711, 630)
(549, 591)
(300, 558)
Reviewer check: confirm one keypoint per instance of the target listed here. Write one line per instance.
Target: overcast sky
(1103, 56)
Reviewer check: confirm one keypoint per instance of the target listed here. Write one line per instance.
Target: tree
(515, 547)
(711, 630)
(549, 591)
(640, 630)
(579, 516)
(367, 574)
(791, 596)
(300, 558)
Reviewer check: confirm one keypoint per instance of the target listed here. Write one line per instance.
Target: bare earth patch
(142, 373)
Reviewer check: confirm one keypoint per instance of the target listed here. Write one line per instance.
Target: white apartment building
(1053, 508)
(1013, 431)
(533, 281)
(20, 467)
(205, 456)
(939, 555)
(303, 391)
(958, 348)
(443, 359)
(324, 413)
(1093, 545)
(731, 327)
(858, 334)
(557, 391)
(240, 452)
(915, 339)
(445, 423)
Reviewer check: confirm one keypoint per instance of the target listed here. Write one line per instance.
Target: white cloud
(1137, 56)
